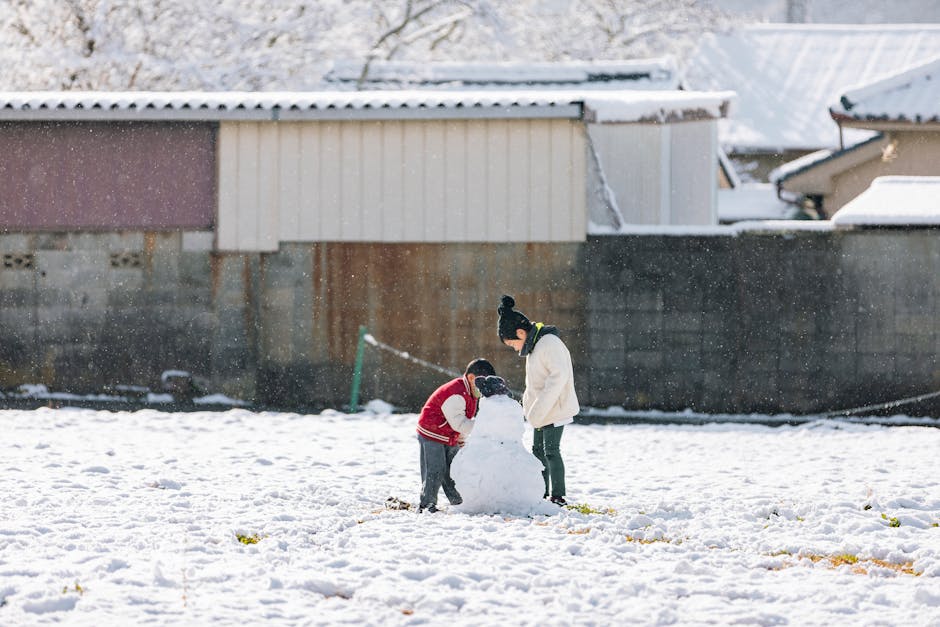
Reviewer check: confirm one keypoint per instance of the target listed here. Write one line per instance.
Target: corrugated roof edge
(392, 104)
(285, 105)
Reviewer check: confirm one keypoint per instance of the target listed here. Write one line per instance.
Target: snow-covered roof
(657, 106)
(894, 201)
(752, 201)
(801, 164)
(787, 76)
(622, 106)
(657, 74)
(834, 160)
(911, 95)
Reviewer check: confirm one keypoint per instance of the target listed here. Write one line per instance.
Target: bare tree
(598, 29)
(289, 44)
(416, 20)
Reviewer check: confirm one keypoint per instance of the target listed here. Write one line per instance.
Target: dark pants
(435, 472)
(546, 445)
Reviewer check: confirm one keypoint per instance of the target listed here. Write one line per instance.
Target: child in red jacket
(446, 417)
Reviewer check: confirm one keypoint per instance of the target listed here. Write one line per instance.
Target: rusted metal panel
(106, 175)
(436, 302)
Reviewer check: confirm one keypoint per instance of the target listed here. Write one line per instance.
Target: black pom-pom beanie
(510, 319)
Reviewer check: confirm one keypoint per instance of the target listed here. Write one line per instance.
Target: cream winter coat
(549, 397)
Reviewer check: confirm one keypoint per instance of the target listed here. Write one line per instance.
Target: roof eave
(885, 123)
(522, 111)
(801, 181)
(671, 116)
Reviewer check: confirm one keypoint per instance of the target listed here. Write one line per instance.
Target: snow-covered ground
(133, 518)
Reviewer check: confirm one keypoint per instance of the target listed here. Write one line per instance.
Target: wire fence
(370, 339)
(881, 406)
(366, 338)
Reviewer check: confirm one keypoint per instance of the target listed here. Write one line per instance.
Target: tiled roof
(912, 95)
(787, 76)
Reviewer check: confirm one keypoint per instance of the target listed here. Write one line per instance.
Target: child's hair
(510, 320)
(480, 367)
(491, 386)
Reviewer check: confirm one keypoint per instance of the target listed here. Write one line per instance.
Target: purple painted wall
(107, 175)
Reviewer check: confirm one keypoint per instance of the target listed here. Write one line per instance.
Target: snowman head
(491, 386)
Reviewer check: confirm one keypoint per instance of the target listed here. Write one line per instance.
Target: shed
(408, 166)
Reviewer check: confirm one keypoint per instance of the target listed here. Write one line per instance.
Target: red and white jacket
(448, 413)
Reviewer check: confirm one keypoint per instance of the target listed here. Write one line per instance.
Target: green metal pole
(357, 370)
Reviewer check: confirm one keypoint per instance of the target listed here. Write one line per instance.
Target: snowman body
(494, 472)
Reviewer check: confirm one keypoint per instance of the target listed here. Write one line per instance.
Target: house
(902, 111)
(786, 77)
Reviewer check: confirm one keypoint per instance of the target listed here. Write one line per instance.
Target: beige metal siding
(477, 169)
(248, 215)
(693, 163)
(631, 156)
(393, 181)
(661, 174)
(328, 203)
(497, 176)
(288, 179)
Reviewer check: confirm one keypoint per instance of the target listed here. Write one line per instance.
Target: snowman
(494, 472)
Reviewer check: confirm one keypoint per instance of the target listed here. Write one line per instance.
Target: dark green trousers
(546, 445)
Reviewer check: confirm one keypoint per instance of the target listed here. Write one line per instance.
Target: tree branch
(410, 17)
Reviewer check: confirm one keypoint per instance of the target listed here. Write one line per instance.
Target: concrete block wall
(98, 309)
(766, 322)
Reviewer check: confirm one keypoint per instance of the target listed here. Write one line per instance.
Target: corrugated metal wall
(631, 155)
(693, 172)
(401, 181)
(658, 172)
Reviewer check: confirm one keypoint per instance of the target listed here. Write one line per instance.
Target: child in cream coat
(549, 401)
